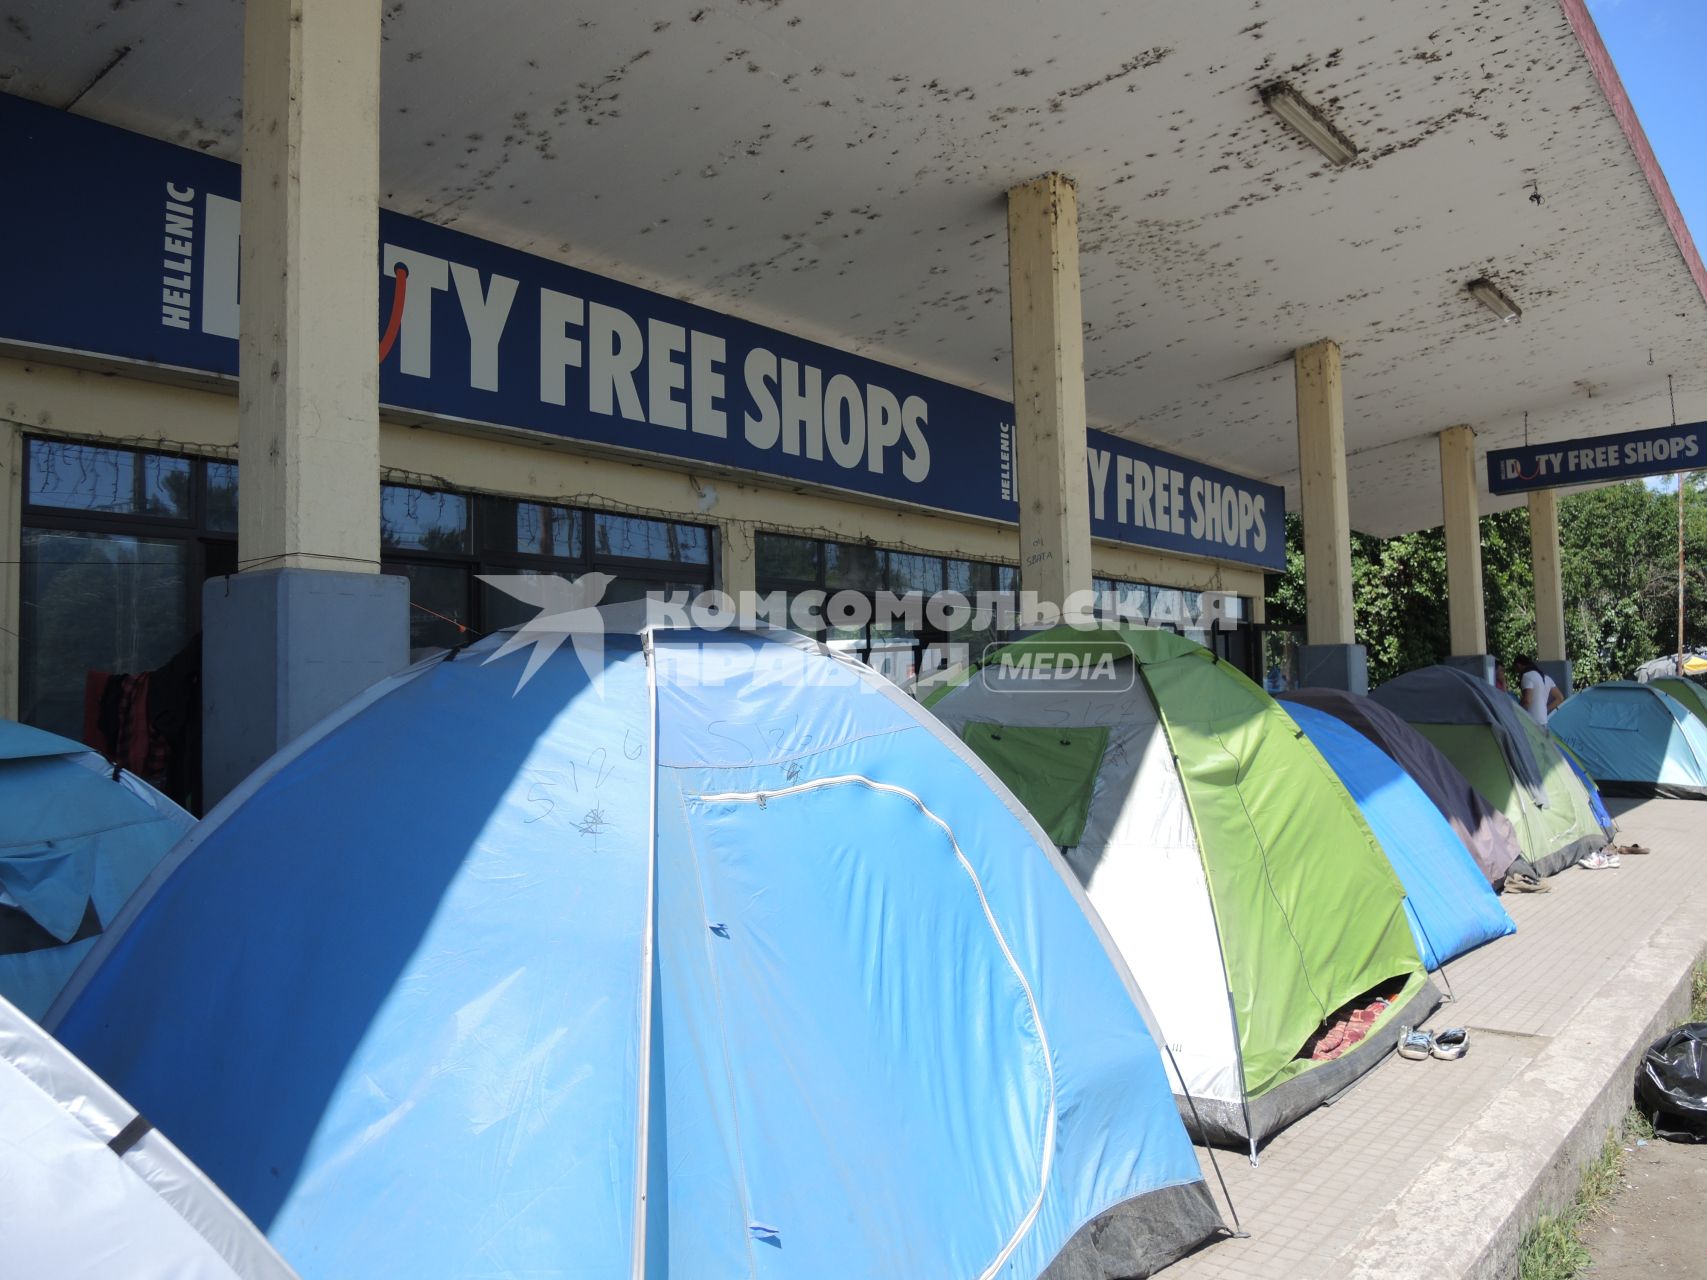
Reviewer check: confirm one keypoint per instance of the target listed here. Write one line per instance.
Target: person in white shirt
(1538, 693)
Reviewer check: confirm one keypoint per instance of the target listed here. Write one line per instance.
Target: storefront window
(897, 647)
(915, 573)
(166, 486)
(77, 477)
(530, 528)
(431, 535)
(422, 520)
(782, 559)
(499, 609)
(636, 538)
(222, 497)
(439, 614)
(96, 602)
(852, 566)
(117, 543)
(1182, 611)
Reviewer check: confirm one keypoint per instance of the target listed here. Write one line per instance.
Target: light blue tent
(729, 963)
(75, 842)
(1635, 739)
(1451, 905)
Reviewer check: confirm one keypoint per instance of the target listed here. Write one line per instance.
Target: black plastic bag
(1671, 1083)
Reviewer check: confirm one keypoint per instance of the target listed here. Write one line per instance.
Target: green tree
(1618, 561)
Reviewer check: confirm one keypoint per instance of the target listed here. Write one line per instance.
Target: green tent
(1232, 869)
(1685, 691)
(1513, 762)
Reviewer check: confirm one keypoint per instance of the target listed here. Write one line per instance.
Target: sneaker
(1415, 1043)
(1451, 1044)
(1599, 860)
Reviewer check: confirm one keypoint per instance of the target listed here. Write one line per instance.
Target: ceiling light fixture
(1486, 292)
(1302, 117)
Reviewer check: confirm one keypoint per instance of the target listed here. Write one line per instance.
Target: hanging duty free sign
(126, 248)
(1598, 459)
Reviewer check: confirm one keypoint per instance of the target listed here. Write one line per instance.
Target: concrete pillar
(1549, 587)
(11, 551)
(309, 622)
(308, 406)
(1331, 656)
(1461, 520)
(1049, 389)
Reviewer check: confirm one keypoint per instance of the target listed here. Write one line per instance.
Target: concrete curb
(1465, 1215)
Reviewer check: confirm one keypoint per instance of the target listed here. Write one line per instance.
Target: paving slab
(1435, 1168)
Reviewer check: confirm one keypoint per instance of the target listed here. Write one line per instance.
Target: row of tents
(730, 959)
(1640, 738)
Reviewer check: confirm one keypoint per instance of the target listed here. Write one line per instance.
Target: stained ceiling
(839, 169)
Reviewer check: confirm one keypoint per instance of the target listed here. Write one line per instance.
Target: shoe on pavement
(1599, 860)
(1415, 1043)
(1451, 1044)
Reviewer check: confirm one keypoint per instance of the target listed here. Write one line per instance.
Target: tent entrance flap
(1052, 771)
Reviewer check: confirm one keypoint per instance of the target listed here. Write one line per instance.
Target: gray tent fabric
(1486, 832)
(1445, 695)
(90, 1190)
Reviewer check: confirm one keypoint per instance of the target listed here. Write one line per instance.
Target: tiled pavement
(1322, 1183)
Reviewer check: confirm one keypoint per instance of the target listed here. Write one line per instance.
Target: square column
(1461, 520)
(308, 368)
(1549, 587)
(1331, 656)
(1049, 390)
(309, 622)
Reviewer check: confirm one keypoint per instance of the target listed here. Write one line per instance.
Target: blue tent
(75, 842)
(1602, 814)
(728, 962)
(1451, 905)
(1635, 739)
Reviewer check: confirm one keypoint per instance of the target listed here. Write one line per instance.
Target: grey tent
(1694, 666)
(1514, 763)
(91, 1190)
(1446, 695)
(1486, 832)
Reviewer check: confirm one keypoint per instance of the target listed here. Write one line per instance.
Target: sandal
(1451, 1044)
(1415, 1043)
(1628, 848)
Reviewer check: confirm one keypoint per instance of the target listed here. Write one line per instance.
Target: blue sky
(1660, 50)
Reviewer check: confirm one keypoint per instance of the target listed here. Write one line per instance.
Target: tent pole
(1680, 478)
(643, 1120)
(1239, 1232)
